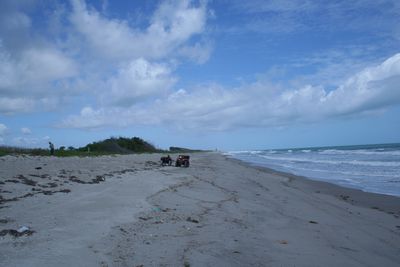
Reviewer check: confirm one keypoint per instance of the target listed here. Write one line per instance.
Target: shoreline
(369, 168)
(382, 202)
(217, 212)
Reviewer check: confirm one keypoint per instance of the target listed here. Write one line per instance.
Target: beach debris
(236, 252)
(40, 176)
(344, 197)
(151, 163)
(24, 230)
(6, 220)
(145, 218)
(314, 222)
(349, 249)
(190, 219)
(12, 181)
(4, 191)
(4, 200)
(38, 168)
(52, 185)
(283, 242)
(76, 180)
(98, 179)
(36, 191)
(123, 171)
(123, 230)
(167, 209)
(52, 192)
(25, 180)
(63, 191)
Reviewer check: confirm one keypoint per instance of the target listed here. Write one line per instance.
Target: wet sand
(130, 211)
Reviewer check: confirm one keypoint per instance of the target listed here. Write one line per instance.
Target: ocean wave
(380, 152)
(365, 174)
(360, 173)
(336, 162)
(378, 173)
(237, 152)
(250, 152)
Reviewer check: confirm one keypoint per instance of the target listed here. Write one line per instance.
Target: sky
(227, 75)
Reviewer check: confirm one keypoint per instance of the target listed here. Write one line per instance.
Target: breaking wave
(373, 168)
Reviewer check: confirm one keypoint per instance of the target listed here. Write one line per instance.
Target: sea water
(371, 168)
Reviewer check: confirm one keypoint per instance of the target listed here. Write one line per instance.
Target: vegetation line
(110, 146)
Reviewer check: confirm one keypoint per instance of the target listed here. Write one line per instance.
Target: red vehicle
(182, 160)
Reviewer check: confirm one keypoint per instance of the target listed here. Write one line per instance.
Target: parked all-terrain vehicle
(182, 160)
(166, 161)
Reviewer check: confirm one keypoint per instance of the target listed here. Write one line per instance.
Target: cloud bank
(172, 24)
(82, 53)
(255, 105)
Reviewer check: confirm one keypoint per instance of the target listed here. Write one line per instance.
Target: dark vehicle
(182, 160)
(166, 161)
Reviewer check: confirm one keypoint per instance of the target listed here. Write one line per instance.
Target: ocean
(371, 168)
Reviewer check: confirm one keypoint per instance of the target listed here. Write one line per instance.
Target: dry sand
(218, 212)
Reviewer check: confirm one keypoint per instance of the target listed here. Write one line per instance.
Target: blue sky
(204, 74)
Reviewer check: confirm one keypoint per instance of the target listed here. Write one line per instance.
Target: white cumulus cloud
(172, 24)
(34, 68)
(84, 53)
(256, 105)
(3, 129)
(26, 130)
(138, 80)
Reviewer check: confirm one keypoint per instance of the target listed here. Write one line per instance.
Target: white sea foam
(374, 169)
(380, 152)
(336, 162)
(237, 152)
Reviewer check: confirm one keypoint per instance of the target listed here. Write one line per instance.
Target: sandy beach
(129, 211)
